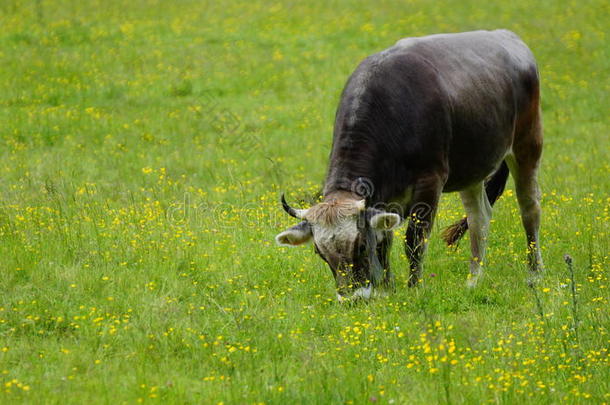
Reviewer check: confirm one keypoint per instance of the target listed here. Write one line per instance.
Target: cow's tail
(494, 187)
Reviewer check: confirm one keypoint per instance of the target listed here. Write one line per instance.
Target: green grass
(143, 149)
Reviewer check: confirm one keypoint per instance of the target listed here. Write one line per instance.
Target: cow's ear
(384, 221)
(297, 235)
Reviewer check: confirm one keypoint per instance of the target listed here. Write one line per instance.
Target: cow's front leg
(383, 252)
(422, 210)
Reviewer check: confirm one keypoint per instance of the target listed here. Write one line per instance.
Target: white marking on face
(338, 235)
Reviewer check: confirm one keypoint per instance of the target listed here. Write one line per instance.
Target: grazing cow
(441, 113)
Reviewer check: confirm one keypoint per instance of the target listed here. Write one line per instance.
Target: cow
(433, 114)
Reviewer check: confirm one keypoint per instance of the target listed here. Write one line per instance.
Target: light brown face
(343, 246)
(348, 244)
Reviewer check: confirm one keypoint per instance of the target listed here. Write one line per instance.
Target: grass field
(143, 149)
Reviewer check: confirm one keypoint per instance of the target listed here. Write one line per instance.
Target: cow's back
(426, 103)
(489, 77)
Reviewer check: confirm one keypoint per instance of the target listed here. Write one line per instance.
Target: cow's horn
(299, 214)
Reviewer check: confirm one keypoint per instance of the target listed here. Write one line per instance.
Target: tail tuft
(453, 233)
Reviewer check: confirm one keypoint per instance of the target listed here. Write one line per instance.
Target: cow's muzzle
(362, 293)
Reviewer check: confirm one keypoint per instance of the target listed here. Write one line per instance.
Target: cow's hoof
(415, 282)
(534, 278)
(472, 281)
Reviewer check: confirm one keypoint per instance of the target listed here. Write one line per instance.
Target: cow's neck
(350, 184)
(377, 184)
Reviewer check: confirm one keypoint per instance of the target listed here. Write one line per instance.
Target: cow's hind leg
(523, 163)
(478, 211)
(528, 196)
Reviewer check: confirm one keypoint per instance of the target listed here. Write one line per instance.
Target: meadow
(143, 149)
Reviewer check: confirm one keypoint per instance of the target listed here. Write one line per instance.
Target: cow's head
(348, 237)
